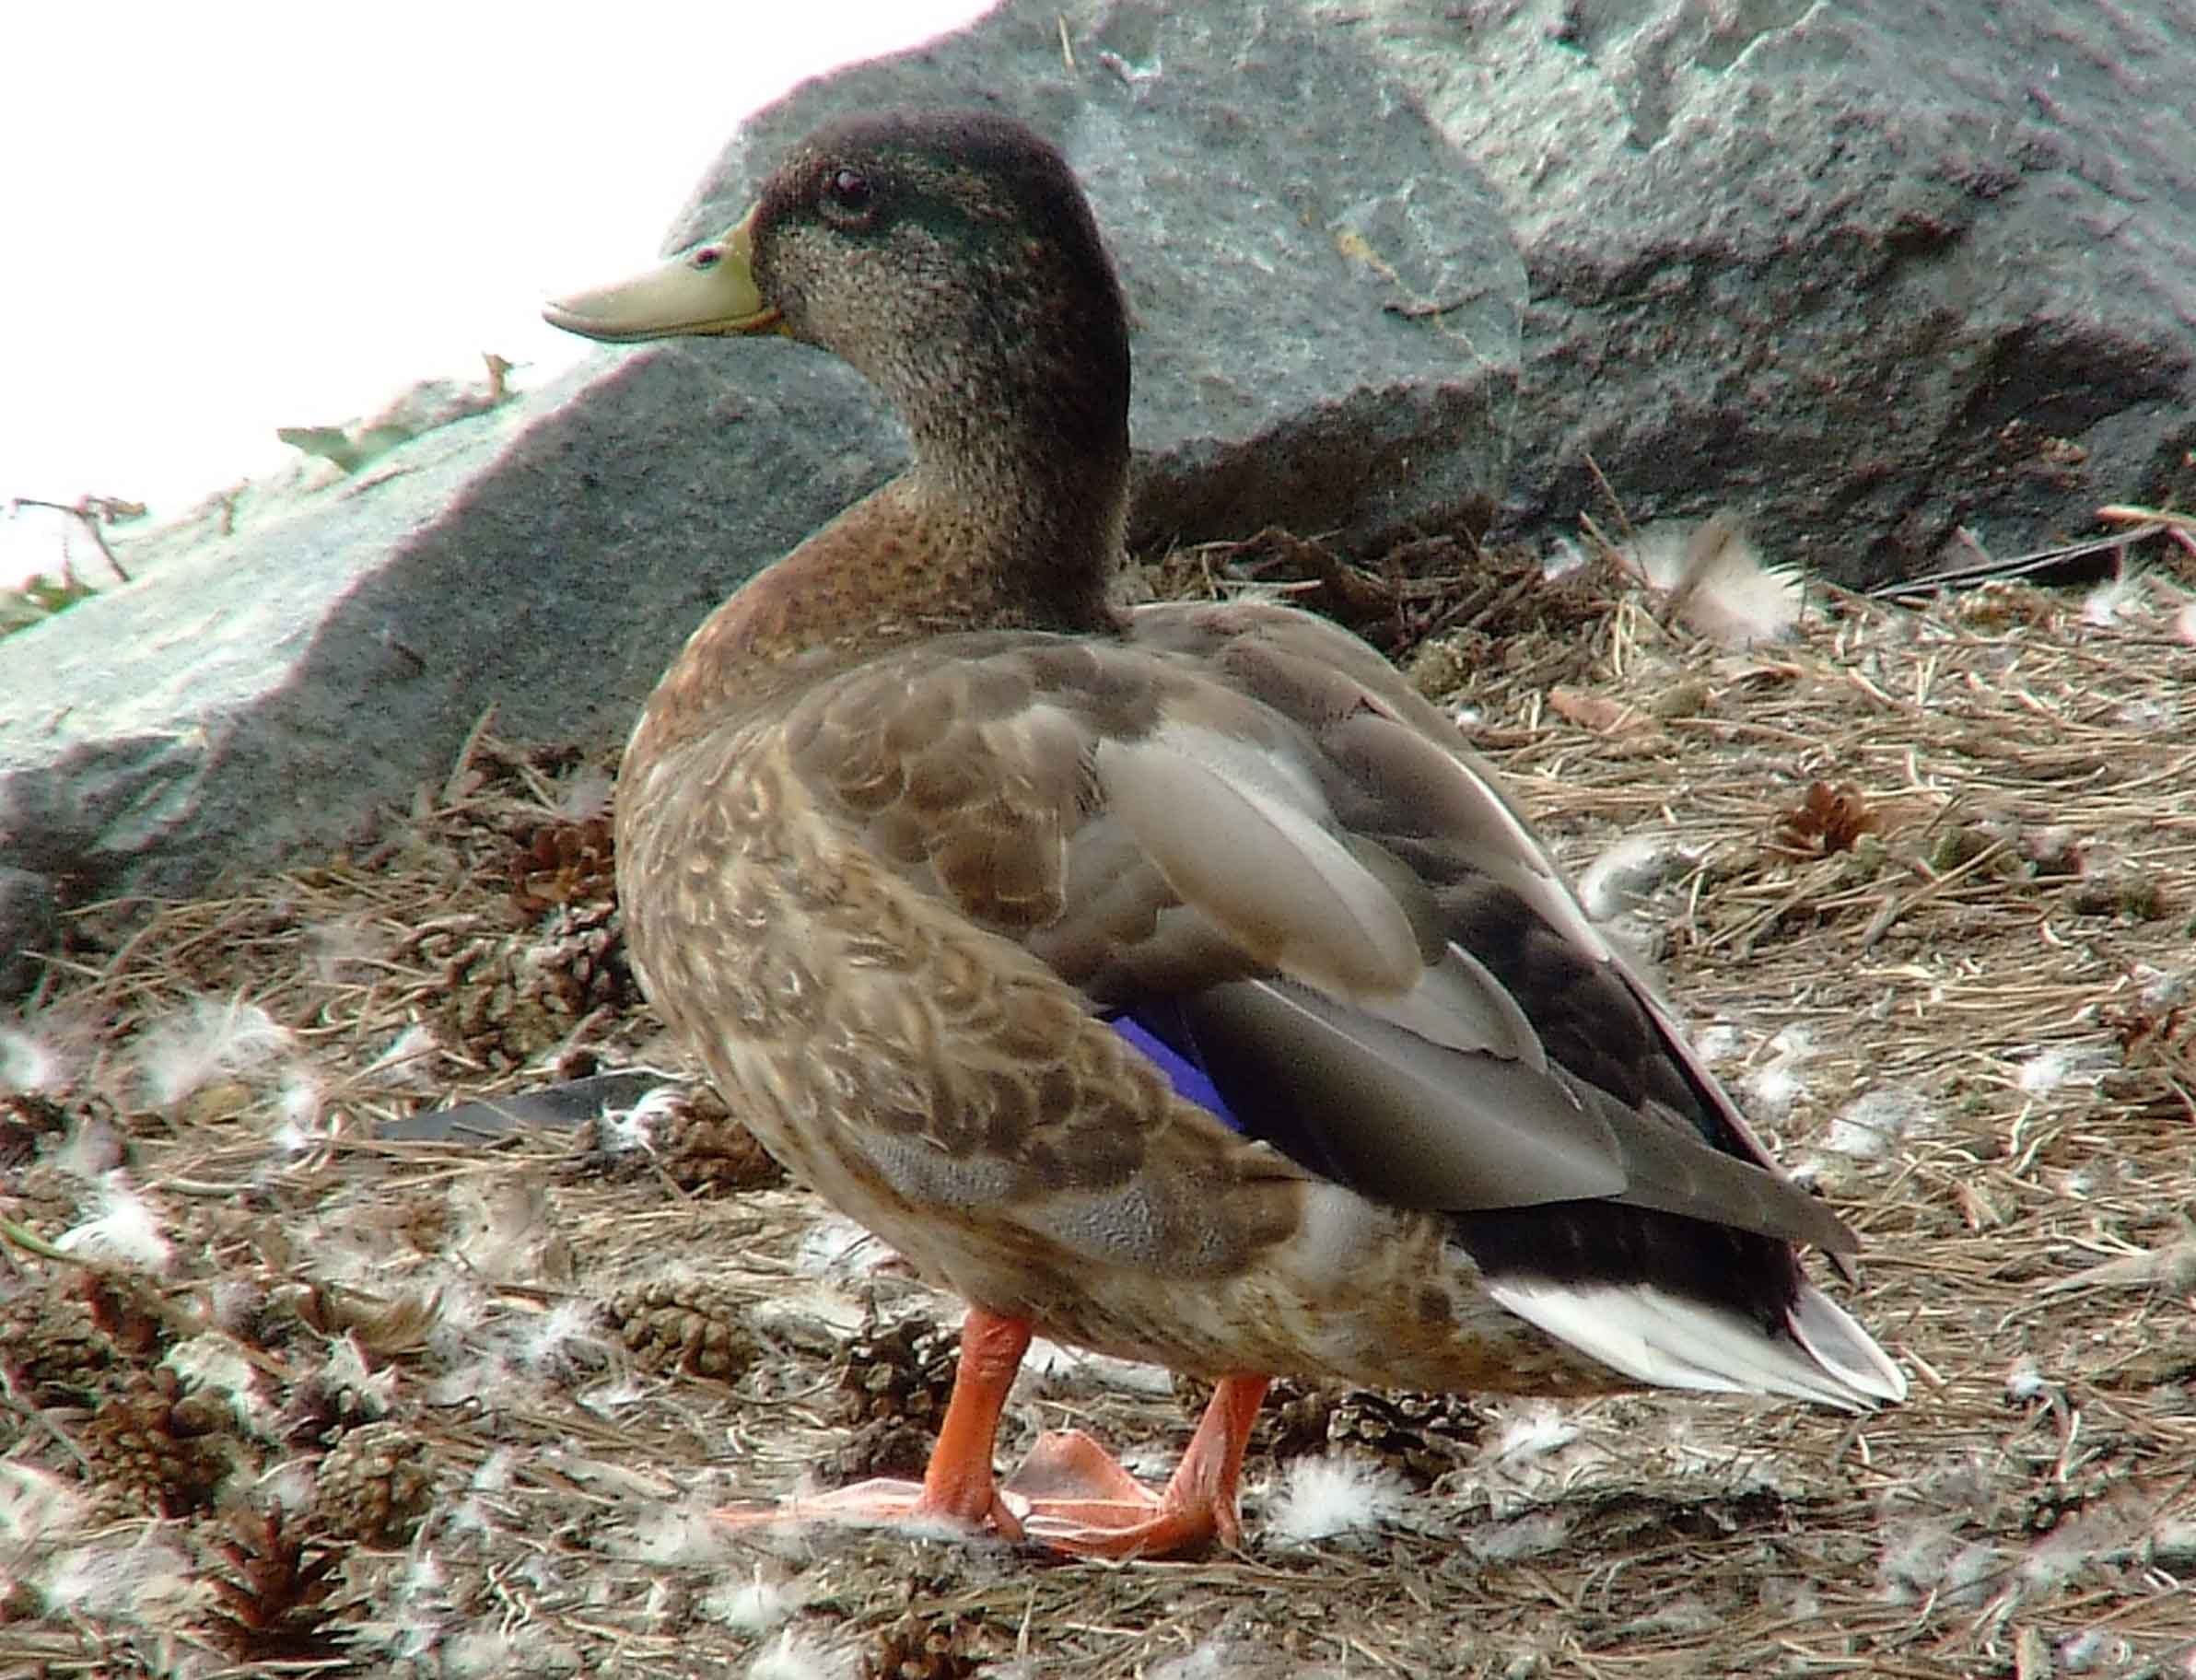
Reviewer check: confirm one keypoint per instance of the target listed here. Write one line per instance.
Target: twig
(2125, 513)
(1601, 482)
(1884, 919)
(453, 786)
(2179, 528)
(30, 1242)
(1426, 309)
(86, 511)
(26, 1408)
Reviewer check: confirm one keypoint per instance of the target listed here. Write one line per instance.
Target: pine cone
(927, 1648)
(269, 1586)
(49, 1341)
(903, 1373)
(583, 959)
(161, 1449)
(1422, 1437)
(703, 1147)
(689, 1137)
(674, 1325)
(889, 1446)
(1295, 1419)
(563, 863)
(510, 1001)
(374, 1485)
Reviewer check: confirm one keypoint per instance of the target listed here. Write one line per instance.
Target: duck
(1173, 982)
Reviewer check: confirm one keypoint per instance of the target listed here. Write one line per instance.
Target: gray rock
(30, 923)
(265, 696)
(1867, 271)
(1269, 194)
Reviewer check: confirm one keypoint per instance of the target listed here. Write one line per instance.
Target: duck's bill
(707, 289)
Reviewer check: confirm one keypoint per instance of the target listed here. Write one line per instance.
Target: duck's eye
(706, 258)
(847, 191)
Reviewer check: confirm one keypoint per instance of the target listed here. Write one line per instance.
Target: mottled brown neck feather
(911, 561)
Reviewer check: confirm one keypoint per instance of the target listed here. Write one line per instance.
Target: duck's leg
(958, 1488)
(1077, 1497)
(1069, 1495)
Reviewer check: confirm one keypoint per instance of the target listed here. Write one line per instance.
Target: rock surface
(1867, 273)
(30, 923)
(255, 698)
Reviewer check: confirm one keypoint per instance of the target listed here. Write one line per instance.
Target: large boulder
(1869, 273)
(257, 695)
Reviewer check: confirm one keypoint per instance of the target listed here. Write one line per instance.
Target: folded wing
(1242, 822)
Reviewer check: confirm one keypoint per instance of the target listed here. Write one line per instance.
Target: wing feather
(1249, 812)
(1219, 823)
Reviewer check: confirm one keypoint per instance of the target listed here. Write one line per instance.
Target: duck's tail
(1664, 1339)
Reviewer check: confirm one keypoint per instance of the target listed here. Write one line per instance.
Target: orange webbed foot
(1069, 1495)
(884, 1501)
(1073, 1497)
(958, 1491)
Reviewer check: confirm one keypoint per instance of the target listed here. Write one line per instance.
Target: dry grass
(296, 1394)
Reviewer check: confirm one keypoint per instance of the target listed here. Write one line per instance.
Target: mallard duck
(1172, 982)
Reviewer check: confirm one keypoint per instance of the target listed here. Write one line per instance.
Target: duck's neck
(1003, 543)
(1033, 522)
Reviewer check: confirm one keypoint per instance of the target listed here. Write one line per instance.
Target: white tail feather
(1841, 1347)
(1671, 1342)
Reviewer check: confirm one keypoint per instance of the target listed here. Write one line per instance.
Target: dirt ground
(295, 1386)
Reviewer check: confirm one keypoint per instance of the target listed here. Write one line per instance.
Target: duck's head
(952, 258)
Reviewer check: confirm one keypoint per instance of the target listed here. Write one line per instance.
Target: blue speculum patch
(1177, 1062)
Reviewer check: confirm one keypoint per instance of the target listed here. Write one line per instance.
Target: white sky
(223, 219)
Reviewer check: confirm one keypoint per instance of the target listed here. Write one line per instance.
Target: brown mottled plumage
(916, 818)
